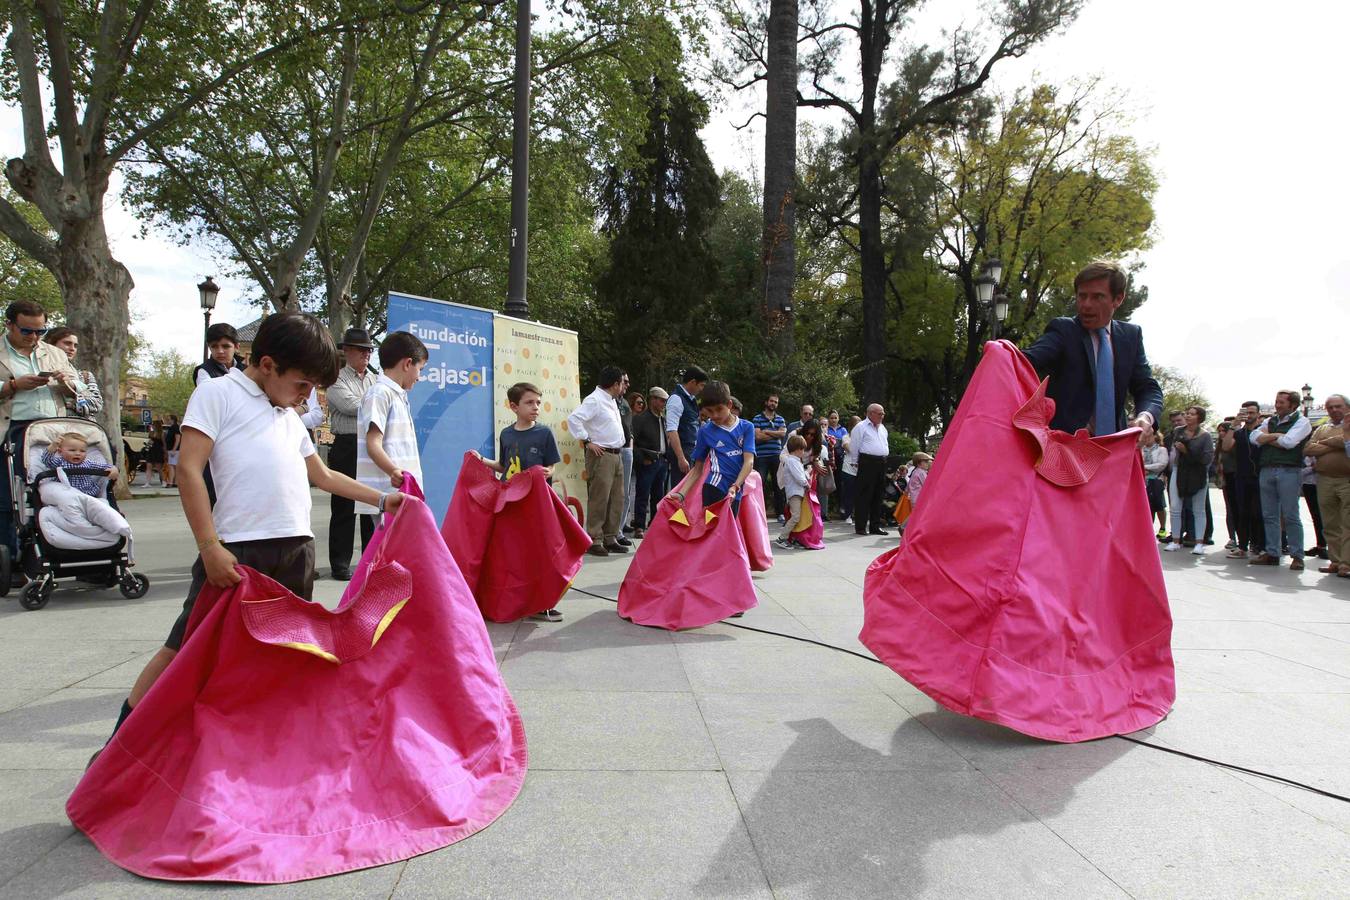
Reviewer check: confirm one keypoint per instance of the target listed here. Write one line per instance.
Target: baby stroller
(104, 561)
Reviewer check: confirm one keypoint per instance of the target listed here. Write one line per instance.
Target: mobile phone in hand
(46, 374)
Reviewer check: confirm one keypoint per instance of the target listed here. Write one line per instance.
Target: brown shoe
(1265, 559)
(1296, 564)
(597, 549)
(638, 533)
(1330, 570)
(1345, 571)
(616, 547)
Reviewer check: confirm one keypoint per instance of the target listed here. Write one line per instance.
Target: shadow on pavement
(866, 832)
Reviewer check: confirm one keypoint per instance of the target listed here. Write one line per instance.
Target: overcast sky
(1249, 280)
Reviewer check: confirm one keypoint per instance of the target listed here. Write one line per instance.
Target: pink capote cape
(810, 529)
(755, 524)
(1028, 590)
(516, 543)
(691, 569)
(286, 742)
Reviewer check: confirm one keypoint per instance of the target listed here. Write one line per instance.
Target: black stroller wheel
(6, 569)
(36, 594)
(134, 585)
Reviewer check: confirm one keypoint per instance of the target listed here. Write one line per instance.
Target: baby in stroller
(75, 513)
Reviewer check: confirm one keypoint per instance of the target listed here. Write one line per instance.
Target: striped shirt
(769, 446)
(385, 407)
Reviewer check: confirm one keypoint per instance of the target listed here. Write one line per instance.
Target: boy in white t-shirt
(386, 445)
(792, 479)
(263, 463)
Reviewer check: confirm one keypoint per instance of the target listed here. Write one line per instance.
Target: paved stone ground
(724, 763)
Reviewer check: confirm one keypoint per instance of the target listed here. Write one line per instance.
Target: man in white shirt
(1282, 438)
(596, 424)
(868, 449)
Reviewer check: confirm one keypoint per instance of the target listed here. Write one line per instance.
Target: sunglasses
(31, 331)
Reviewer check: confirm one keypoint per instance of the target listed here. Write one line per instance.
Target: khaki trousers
(604, 496)
(1333, 498)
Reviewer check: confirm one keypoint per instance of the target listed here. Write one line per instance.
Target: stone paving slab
(727, 763)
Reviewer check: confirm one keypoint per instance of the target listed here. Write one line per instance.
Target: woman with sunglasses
(35, 380)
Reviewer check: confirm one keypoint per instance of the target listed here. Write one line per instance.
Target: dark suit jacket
(1065, 354)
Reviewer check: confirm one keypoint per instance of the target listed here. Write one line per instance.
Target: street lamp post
(1307, 401)
(1000, 312)
(207, 292)
(987, 293)
(517, 303)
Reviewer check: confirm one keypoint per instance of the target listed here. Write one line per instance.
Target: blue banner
(452, 402)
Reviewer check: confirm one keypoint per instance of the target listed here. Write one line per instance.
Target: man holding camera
(37, 378)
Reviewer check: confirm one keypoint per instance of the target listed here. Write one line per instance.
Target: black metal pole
(206, 331)
(516, 302)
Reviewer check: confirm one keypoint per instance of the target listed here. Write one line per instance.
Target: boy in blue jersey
(725, 446)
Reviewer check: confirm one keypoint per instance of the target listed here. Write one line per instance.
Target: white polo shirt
(385, 406)
(257, 462)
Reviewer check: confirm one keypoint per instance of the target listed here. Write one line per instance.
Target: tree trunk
(780, 175)
(873, 263)
(96, 288)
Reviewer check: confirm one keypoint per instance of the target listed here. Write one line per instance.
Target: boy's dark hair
(516, 392)
(1252, 403)
(693, 373)
(796, 442)
(715, 393)
(296, 340)
(23, 308)
(222, 331)
(400, 345)
(610, 376)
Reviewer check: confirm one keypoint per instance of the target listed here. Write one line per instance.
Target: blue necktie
(1105, 420)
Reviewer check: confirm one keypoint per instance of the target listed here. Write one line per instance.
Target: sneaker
(1237, 553)
(548, 615)
(1170, 546)
(1162, 534)
(623, 541)
(1164, 538)
(782, 542)
(1231, 545)
(848, 520)
(1197, 550)
(1296, 564)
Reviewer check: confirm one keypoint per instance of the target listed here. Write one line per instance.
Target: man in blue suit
(1093, 361)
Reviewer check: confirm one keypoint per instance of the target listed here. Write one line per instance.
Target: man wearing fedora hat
(344, 402)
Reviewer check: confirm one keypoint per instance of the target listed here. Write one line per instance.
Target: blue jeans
(1281, 489)
(1194, 504)
(651, 487)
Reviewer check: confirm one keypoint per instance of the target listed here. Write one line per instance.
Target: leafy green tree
(21, 277)
(655, 291)
(1180, 390)
(95, 82)
(168, 382)
(930, 89)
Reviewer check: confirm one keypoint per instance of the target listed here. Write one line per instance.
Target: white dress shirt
(867, 439)
(1299, 432)
(597, 420)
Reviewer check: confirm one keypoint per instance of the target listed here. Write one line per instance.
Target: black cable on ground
(872, 659)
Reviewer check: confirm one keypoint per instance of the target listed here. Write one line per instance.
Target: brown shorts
(288, 560)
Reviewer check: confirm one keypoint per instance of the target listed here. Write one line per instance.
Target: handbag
(825, 483)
